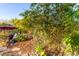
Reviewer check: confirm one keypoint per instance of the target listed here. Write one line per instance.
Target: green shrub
(21, 37)
(72, 42)
(39, 50)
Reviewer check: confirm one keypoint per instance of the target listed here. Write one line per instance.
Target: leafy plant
(21, 37)
(40, 50)
(72, 42)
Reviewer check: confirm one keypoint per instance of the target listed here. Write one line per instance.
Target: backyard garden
(46, 29)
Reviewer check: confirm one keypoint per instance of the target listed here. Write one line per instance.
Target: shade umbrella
(3, 28)
(7, 27)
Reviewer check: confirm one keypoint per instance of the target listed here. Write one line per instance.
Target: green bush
(72, 42)
(40, 50)
(21, 37)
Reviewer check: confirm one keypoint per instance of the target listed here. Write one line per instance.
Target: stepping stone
(3, 48)
(15, 49)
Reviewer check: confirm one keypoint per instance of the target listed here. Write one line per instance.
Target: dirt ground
(25, 48)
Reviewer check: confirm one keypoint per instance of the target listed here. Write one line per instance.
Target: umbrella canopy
(7, 28)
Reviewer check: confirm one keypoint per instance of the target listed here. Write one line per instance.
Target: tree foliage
(53, 22)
